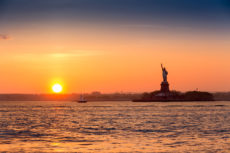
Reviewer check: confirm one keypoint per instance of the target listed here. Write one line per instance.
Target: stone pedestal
(164, 87)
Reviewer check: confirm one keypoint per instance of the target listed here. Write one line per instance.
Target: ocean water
(114, 127)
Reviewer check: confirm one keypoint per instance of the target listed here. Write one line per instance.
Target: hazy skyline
(114, 45)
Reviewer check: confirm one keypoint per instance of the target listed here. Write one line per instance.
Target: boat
(81, 99)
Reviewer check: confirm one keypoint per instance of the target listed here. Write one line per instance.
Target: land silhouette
(165, 95)
(98, 96)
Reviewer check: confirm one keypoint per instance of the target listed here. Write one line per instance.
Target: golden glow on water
(114, 127)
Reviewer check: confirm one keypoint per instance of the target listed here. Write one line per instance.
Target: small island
(165, 95)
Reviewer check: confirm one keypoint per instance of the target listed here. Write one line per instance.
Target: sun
(57, 88)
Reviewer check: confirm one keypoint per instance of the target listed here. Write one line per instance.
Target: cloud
(4, 37)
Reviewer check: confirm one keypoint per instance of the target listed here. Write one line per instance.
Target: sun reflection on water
(114, 127)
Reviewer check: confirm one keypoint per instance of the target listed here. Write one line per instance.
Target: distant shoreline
(174, 96)
(92, 97)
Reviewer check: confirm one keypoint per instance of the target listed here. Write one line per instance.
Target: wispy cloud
(59, 55)
(4, 37)
(75, 53)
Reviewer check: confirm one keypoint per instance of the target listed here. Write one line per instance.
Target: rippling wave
(114, 127)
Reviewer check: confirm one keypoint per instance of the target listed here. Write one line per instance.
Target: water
(114, 127)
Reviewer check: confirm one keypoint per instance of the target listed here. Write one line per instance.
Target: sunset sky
(114, 45)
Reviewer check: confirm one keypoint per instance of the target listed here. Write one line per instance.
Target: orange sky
(86, 58)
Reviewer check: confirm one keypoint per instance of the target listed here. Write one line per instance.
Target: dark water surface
(114, 127)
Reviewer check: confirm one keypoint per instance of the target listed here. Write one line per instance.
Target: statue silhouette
(164, 73)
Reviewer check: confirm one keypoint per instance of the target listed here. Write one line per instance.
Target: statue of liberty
(164, 73)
